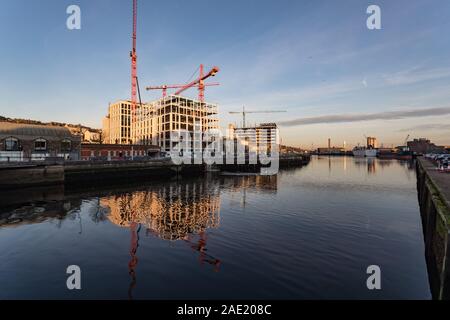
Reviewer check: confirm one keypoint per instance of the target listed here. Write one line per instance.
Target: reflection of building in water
(371, 167)
(171, 212)
(265, 183)
(366, 162)
(38, 212)
(385, 163)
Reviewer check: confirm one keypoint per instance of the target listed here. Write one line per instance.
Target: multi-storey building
(117, 125)
(156, 122)
(372, 143)
(257, 139)
(423, 146)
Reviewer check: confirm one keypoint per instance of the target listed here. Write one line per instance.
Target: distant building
(331, 151)
(91, 136)
(105, 130)
(423, 146)
(23, 142)
(372, 143)
(262, 136)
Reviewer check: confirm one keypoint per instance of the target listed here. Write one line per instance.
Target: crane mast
(133, 56)
(134, 90)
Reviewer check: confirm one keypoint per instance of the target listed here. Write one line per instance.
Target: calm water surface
(309, 232)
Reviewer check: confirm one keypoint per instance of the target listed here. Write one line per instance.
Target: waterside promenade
(434, 199)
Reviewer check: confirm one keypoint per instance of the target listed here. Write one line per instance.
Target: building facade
(29, 142)
(155, 121)
(257, 139)
(159, 118)
(372, 143)
(109, 152)
(118, 125)
(423, 146)
(331, 151)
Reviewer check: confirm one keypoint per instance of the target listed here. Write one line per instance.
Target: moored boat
(364, 152)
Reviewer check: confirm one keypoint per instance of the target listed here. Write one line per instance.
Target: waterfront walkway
(440, 180)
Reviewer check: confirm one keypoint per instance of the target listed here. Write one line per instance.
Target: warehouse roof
(24, 131)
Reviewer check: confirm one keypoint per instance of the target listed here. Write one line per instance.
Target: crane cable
(189, 80)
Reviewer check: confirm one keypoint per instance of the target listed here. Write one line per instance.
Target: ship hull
(359, 153)
(365, 153)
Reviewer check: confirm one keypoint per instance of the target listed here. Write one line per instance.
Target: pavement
(440, 179)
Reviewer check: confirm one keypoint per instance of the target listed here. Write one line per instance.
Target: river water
(307, 233)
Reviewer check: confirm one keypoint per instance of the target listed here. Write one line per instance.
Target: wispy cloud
(415, 75)
(388, 115)
(428, 127)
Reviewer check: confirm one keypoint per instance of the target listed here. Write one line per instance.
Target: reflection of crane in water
(134, 228)
(244, 197)
(201, 247)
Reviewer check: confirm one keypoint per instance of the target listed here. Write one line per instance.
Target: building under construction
(154, 121)
(159, 118)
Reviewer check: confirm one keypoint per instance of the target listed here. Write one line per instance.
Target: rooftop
(20, 130)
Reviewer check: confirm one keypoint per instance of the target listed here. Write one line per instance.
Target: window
(40, 144)
(12, 144)
(66, 145)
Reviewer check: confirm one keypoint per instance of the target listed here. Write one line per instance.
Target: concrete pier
(434, 199)
(19, 175)
(22, 175)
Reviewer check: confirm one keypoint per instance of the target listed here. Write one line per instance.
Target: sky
(316, 60)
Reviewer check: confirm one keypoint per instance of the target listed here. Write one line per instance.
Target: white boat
(364, 152)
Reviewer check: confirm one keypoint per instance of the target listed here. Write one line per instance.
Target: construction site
(134, 122)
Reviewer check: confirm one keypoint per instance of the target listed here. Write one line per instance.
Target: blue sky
(311, 58)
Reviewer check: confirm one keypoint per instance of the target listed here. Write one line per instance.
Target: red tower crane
(200, 82)
(134, 90)
(164, 87)
(133, 56)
